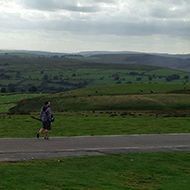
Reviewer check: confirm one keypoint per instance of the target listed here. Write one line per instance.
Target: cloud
(54, 5)
(112, 17)
(98, 19)
(120, 28)
(174, 9)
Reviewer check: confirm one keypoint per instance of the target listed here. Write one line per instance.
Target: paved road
(33, 148)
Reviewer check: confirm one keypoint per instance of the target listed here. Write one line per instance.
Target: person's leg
(41, 130)
(46, 133)
(48, 127)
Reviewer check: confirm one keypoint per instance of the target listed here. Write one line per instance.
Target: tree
(186, 77)
(11, 87)
(33, 89)
(55, 57)
(138, 79)
(133, 73)
(3, 90)
(173, 77)
(150, 78)
(55, 78)
(116, 78)
(45, 77)
(18, 73)
(168, 78)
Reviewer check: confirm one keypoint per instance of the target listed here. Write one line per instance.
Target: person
(45, 115)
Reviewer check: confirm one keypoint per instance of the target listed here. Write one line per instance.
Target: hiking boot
(38, 135)
(46, 138)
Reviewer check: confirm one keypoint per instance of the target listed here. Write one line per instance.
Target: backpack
(44, 114)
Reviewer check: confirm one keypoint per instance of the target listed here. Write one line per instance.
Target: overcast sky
(95, 25)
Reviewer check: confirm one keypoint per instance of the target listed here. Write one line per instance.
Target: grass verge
(147, 171)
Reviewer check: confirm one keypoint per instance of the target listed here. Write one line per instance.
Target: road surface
(58, 147)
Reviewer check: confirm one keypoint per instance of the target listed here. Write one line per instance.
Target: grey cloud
(175, 28)
(165, 13)
(102, 23)
(98, 27)
(102, 1)
(170, 9)
(162, 21)
(53, 5)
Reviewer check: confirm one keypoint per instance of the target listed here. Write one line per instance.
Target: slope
(113, 97)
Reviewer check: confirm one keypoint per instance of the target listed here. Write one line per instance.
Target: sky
(70, 26)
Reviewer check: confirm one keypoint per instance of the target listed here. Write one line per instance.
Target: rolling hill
(123, 97)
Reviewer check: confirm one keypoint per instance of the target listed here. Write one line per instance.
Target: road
(58, 147)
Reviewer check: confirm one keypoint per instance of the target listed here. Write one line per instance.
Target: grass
(20, 126)
(147, 171)
(8, 101)
(7, 98)
(6, 106)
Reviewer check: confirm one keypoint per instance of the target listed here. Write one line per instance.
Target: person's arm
(41, 113)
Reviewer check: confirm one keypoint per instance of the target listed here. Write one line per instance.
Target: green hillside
(114, 97)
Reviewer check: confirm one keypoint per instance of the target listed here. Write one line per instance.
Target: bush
(3, 90)
(33, 89)
(172, 77)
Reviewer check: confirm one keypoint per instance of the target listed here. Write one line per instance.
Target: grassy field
(23, 126)
(150, 171)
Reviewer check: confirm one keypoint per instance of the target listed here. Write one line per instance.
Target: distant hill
(173, 61)
(91, 53)
(45, 53)
(145, 59)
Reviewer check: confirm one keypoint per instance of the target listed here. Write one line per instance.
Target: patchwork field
(32, 74)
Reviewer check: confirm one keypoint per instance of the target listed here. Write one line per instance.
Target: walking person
(45, 115)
